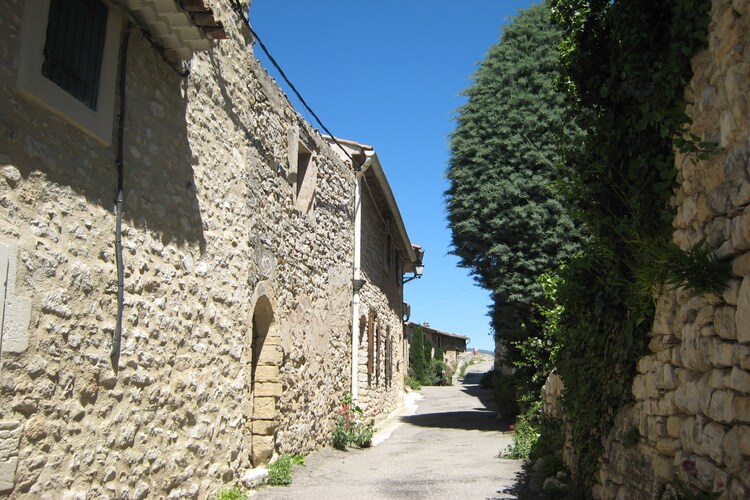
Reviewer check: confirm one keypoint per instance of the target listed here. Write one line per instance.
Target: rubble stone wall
(692, 393)
(381, 298)
(210, 231)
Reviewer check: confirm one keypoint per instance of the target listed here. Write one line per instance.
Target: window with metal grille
(74, 46)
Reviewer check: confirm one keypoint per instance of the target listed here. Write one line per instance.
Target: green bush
(363, 436)
(625, 93)
(280, 472)
(412, 383)
(437, 373)
(340, 436)
(524, 439)
(538, 436)
(351, 427)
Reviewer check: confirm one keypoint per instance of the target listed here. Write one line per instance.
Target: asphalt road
(447, 449)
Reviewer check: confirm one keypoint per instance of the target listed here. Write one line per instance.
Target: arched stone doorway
(265, 377)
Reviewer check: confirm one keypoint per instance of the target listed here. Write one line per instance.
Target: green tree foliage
(439, 356)
(508, 222)
(418, 364)
(427, 356)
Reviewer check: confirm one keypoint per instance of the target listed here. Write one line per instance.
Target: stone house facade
(691, 409)
(237, 243)
(452, 344)
(385, 254)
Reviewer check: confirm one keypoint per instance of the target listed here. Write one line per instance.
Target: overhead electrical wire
(238, 9)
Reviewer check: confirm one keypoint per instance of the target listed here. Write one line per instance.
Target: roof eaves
(439, 332)
(181, 27)
(357, 149)
(385, 187)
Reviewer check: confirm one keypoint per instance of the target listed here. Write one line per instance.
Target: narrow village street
(447, 449)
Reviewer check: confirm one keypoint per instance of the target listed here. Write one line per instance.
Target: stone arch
(265, 374)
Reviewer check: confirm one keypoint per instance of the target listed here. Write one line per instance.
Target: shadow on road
(479, 420)
(484, 396)
(520, 489)
(473, 377)
(482, 418)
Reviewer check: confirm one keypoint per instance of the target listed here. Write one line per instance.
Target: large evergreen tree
(508, 223)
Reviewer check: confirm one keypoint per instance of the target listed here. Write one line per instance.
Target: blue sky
(389, 73)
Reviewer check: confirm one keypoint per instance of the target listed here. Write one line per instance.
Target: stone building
(452, 344)
(383, 254)
(226, 269)
(691, 409)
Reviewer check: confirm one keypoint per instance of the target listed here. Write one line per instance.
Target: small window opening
(303, 162)
(306, 179)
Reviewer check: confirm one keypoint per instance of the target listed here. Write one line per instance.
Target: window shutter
(377, 355)
(74, 47)
(370, 348)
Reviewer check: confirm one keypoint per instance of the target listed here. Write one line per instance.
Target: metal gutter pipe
(114, 355)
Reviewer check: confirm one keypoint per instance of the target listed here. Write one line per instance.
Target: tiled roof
(429, 329)
(180, 27)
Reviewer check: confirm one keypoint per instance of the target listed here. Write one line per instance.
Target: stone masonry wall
(210, 229)
(381, 296)
(692, 393)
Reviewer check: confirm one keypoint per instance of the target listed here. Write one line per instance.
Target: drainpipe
(357, 281)
(114, 354)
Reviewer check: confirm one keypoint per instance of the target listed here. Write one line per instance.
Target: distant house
(451, 344)
(177, 250)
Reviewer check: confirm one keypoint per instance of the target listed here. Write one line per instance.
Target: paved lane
(447, 449)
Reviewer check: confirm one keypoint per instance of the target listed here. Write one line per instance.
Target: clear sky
(389, 73)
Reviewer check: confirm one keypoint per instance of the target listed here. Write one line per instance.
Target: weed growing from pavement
(233, 493)
(280, 472)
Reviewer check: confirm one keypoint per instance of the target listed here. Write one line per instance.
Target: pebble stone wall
(692, 393)
(381, 298)
(210, 230)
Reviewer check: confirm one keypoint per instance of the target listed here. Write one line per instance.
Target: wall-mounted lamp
(418, 265)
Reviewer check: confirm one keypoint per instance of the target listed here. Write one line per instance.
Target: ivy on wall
(624, 66)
